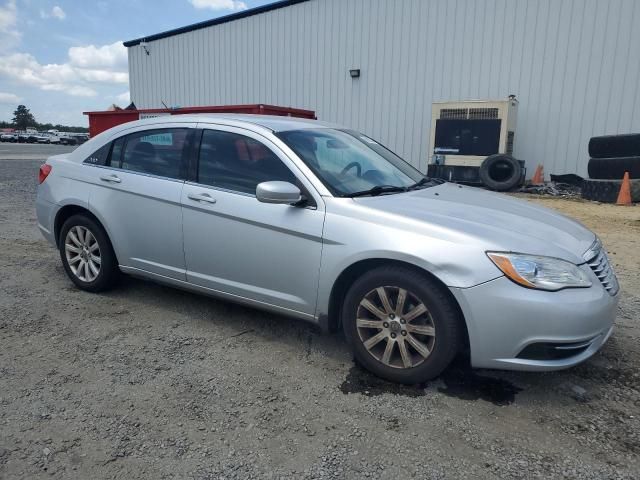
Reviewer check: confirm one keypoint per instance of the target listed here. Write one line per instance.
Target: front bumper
(504, 318)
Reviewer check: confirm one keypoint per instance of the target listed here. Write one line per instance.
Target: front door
(238, 245)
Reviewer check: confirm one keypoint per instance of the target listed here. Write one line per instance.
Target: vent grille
(454, 113)
(599, 263)
(510, 136)
(483, 113)
(469, 113)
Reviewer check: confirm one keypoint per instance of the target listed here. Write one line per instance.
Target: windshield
(350, 163)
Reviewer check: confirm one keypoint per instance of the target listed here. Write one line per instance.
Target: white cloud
(87, 66)
(106, 56)
(73, 90)
(233, 5)
(58, 13)
(10, 98)
(124, 98)
(9, 34)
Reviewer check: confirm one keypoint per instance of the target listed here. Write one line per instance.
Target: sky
(63, 57)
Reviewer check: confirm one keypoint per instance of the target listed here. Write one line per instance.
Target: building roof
(215, 21)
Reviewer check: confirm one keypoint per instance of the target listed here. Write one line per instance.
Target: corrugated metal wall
(574, 65)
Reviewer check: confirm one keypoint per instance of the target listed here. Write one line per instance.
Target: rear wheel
(402, 325)
(87, 255)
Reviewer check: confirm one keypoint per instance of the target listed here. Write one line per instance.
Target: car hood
(496, 221)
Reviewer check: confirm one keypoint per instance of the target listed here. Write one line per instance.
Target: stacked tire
(612, 156)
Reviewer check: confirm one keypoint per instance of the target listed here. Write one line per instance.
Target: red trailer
(101, 121)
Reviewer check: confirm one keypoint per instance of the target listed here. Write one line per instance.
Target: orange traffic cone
(624, 197)
(538, 177)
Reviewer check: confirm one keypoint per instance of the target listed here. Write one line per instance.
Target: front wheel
(87, 255)
(402, 325)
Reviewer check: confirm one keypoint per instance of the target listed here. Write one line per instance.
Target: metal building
(574, 65)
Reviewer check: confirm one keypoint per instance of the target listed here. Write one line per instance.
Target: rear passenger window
(99, 157)
(156, 152)
(238, 163)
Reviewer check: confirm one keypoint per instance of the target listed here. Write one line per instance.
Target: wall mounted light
(355, 73)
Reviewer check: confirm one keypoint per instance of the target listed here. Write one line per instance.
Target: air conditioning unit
(472, 142)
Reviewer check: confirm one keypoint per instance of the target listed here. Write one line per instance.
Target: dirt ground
(151, 382)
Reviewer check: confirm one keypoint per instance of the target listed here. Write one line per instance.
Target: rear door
(137, 192)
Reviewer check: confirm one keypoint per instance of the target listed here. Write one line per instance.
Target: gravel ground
(151, 382)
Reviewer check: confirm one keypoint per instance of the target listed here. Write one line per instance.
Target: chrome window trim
(218, 189)
(142, 174)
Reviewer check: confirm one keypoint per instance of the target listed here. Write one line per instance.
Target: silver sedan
(327, 225)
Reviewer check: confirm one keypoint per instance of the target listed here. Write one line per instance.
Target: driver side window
(238, 163)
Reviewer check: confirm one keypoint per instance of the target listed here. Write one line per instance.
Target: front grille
(598, 260)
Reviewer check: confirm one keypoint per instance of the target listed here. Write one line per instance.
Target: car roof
(273, 123)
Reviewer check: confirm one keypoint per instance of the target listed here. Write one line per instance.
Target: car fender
(449, 274)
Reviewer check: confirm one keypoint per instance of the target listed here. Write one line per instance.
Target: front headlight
(543, 273)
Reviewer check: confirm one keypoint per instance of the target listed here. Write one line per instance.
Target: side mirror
(278, 192)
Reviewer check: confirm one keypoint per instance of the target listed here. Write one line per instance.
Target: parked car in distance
(80, 138)
(66, 140)
(324, 224)
(26, 137)
(9, 137)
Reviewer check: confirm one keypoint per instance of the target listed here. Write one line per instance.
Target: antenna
(165, 105)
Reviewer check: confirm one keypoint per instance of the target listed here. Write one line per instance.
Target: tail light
(44, 172)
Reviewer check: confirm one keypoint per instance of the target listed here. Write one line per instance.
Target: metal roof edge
(215, 21)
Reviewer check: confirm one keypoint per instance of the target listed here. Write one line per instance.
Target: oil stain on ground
(460, 381)
(360, 381)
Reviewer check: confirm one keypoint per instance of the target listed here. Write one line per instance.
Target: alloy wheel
(395, 327)
(83, 253)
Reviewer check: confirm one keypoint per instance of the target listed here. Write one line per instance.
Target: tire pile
(612, 156)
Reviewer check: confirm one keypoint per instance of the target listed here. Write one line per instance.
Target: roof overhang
(216, 21)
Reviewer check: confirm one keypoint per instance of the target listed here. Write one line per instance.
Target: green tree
(23, 118)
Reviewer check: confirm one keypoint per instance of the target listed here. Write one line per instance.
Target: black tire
(614, 146)
(108, 272)
(606, 191)
(443, 312)
(614, 168)
(500, 172)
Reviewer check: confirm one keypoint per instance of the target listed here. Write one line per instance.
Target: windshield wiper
(425, 181)
(377, 190)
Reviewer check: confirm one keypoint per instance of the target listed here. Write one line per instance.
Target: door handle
(202, 197)
(110, 179)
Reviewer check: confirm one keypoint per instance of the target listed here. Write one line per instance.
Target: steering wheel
(350, 166)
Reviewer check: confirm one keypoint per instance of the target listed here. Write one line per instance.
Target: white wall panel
(574, 64)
